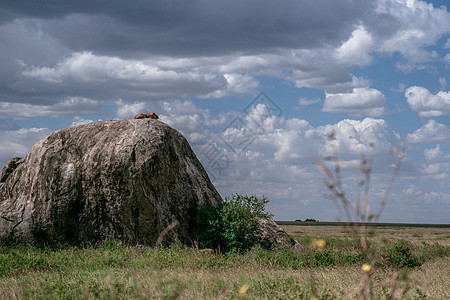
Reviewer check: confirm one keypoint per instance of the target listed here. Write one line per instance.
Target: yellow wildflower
(366, 268)
(318, 244)
(321, 244)
(243, 290)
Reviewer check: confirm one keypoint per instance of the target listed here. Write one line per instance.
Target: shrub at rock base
(233, 225)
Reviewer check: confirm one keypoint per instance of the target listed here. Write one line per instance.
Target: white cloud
(413, 25)
(355, 51)
(360, 102)
(237, 84)
(433, 154)
(129, 110)
(80, 121)
(113, 78)
(319, 69)
(434, 169)
(355, 137)
(181, 107)
(427, 104)
(70, 106)
(436, 166)
(285, 146)
(412, 190)
(440, 197)
(306, 101)
(432, 132)
(89, 68)
(264, 147)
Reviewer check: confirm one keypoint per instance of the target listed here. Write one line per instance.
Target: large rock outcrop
(125, 179)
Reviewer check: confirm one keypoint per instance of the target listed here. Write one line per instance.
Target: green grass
(114, 271)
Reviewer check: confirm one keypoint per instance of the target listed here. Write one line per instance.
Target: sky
(256, 87)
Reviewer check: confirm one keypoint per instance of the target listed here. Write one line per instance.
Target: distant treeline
(309, 221)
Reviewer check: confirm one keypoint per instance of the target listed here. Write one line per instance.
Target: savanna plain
(412, 262)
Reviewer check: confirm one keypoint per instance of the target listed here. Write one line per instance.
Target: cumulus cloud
(108, 75)
(436, 166)
(432, 133)
(360, 102)
(399, 33)
(436, 171)
(261, 135)
(129, 110)
(356, 50)
(433, 154)
(274, 159)
(236, 84)
(356, 137)
(262, 145)
(426, 104)
(70, 106)
(142, 54)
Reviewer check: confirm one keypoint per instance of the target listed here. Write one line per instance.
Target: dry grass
(431, 279)
(416, 235)
(328, 283)
(182, 273)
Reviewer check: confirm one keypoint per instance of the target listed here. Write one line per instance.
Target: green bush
(231, 226)
(399, 256)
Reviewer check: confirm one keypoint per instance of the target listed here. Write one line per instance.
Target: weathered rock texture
(270, 234)
(126, 179)
(10, 166)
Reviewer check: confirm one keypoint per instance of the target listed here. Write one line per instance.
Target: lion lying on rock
(146, 116)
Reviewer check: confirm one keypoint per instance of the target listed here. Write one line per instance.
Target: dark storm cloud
(190, 28)
(157, 50)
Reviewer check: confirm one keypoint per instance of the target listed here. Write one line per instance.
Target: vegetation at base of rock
(232, 225)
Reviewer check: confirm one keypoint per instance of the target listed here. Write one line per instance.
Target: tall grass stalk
(359, 213)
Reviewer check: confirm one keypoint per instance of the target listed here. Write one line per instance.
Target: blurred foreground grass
(114, 271)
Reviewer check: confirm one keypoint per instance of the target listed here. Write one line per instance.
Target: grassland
(113, 271)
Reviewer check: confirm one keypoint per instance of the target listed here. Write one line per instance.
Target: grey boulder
(269, 234)
(124, 179)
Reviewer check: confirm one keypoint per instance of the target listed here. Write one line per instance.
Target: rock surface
(270, 234)
(125, 179)
(10, 166)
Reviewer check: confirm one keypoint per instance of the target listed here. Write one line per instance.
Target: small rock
(270, 234)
